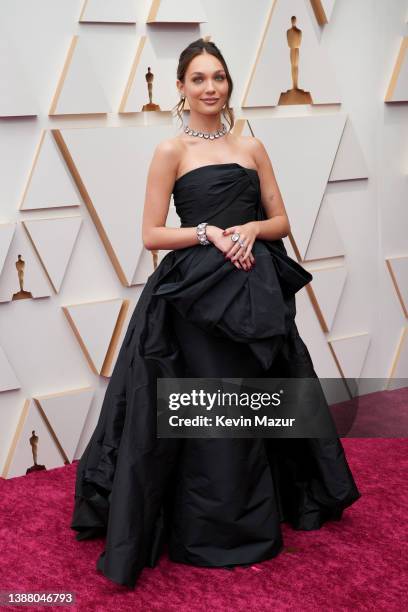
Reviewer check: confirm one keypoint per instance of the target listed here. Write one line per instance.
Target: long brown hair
(196, 48)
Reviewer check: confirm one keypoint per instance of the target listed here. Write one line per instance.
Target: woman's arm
(277, 225)
(160, 181)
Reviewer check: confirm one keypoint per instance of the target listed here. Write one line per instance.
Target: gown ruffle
(130, 484)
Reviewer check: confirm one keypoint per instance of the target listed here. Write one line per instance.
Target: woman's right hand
(223, 243)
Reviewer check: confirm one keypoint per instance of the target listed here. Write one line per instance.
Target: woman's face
(205, 84)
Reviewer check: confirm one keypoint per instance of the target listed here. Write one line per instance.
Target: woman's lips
(211, 102)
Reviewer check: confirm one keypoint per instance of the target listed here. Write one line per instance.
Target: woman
(220, 304)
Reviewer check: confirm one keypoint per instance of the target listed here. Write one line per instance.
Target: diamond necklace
(210, 135)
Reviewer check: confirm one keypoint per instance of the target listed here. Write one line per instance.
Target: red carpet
(360, 562)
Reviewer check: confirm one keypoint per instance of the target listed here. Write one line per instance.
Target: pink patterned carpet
(358, 563)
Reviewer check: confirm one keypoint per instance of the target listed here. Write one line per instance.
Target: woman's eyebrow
(215, 72)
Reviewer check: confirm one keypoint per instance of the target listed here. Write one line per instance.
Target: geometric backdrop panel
(145, 266)
(301, 171)
(272, 73)
(49, 184)
(326, 240)
(108, 11)
(97, 327)
(327, 285)
(162, 70)
(350, 161)
(398, 87)
(32, 443)
(323, 10)
(109, 167)
(351, 352)
(398, 269)
(150, 59)
(399, 365)
(6, 236)
(54, 240)
(176, 11)
(8, 377)
(78, 90)
(65, 414)
(22, 276)
(16, 99)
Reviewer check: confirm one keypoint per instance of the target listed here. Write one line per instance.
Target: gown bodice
(222, 194)
(251, 306)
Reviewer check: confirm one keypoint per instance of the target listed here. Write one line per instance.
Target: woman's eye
(220, 76)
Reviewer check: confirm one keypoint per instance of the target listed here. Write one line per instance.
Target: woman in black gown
(213, 502)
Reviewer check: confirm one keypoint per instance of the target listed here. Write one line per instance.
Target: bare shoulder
(169, 148)
(253, 146)
(165, 161)
(256, 151)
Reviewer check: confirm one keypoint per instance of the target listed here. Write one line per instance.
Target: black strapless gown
(213, 502)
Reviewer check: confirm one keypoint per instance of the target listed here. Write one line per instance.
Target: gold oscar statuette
(149, 76)
(21, 295)
(294, 95)
(34, 448)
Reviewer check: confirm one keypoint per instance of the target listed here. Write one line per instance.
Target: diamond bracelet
(201, 233)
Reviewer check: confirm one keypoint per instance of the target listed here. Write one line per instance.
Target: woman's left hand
(247, 234)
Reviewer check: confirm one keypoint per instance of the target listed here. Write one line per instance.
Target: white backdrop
(365, 215)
